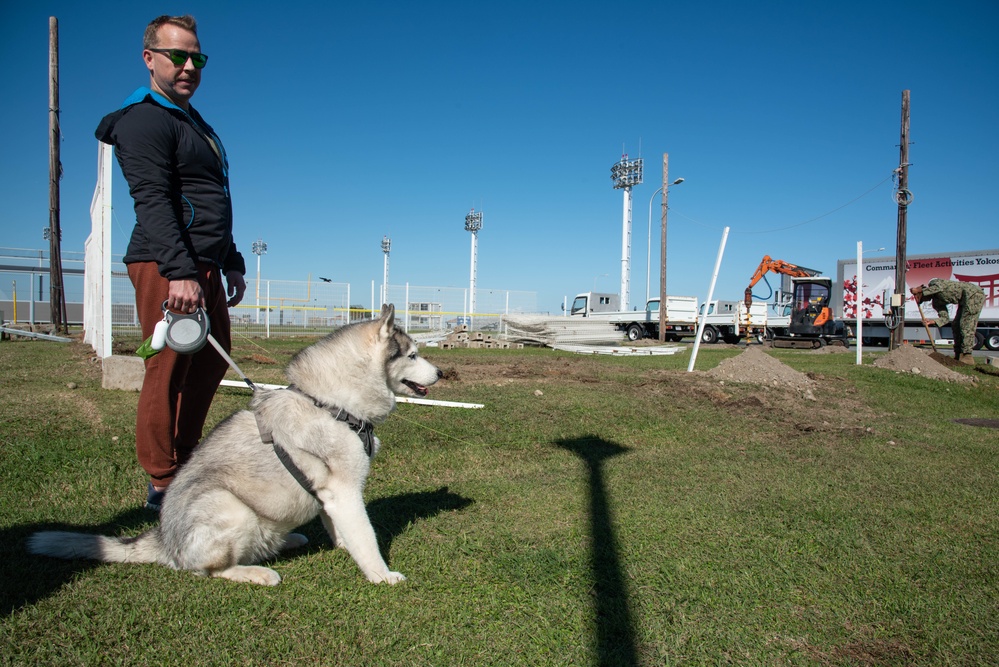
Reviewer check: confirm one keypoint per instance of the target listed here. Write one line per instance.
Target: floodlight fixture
(473, 221)
(626, 173)
(386, 244)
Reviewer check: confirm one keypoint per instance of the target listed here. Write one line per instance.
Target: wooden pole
(662, 252)
(57, 295)
(903, 197)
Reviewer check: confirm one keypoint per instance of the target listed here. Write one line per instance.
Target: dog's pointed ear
(387, 319)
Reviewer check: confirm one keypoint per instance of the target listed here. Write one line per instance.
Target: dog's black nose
(440, 374)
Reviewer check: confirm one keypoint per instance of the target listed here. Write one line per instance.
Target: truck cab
(594, 302)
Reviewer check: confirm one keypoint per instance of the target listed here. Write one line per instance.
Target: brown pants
(178, 388)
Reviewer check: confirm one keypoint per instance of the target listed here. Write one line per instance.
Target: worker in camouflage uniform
(969, 299)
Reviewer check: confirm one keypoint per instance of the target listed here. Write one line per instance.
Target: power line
(799, 224)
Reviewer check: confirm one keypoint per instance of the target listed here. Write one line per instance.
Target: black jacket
(178, 176)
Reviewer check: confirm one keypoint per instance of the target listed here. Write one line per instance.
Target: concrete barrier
(123, 372)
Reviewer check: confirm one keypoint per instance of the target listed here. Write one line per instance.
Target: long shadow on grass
(615, 640)
(25, 578)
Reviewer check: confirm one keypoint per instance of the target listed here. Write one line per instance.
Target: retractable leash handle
(187, 333)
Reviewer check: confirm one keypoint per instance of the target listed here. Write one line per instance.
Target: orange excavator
(811, 324)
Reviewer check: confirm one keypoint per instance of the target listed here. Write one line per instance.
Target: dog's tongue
(418, 388)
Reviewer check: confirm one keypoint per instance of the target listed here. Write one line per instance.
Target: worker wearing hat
(969, 299)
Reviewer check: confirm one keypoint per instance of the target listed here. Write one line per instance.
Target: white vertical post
(406, 323)
(626, 252)
(711, 292)
(348, 303)
(471, 283)
(267, 318)
(860, 301)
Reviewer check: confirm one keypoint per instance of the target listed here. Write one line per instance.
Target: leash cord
(225, 355)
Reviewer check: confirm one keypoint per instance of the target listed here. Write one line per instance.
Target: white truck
(980, 267)
(727, 321)
(681, 315)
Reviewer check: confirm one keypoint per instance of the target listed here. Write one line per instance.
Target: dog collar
(364, 429)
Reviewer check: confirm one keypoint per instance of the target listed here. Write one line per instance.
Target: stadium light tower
(626, 174)
(473, 223)
(386, 248)
(259, 248)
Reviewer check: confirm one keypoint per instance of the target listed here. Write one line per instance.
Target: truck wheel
(709, 336)
(992, 341)
(979, 340)
(635, 332)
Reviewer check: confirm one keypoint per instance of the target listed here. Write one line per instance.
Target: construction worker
(969, 299)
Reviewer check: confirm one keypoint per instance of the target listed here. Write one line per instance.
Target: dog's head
(408, 373)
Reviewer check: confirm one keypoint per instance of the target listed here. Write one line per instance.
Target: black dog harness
(365, 430)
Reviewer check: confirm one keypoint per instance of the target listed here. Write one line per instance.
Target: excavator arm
(768, 265)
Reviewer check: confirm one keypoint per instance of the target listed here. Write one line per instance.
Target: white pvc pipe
(711, 293)
(860, 301)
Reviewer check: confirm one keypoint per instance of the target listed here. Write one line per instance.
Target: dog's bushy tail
(145, 548)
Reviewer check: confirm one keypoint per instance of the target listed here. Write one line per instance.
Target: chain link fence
(269, 307)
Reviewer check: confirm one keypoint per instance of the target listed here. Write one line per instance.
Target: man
(969, 299)
(182, 241)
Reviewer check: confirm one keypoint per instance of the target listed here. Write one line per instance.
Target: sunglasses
(179, 57)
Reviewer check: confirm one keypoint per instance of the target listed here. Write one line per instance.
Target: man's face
(176, 82)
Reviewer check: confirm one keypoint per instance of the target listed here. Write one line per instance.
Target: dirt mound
(754, 366)
(910, 359)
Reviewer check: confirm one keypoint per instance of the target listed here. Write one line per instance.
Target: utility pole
(57, 295)
(904, 197)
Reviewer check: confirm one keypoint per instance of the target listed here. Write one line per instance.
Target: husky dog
(297, 452)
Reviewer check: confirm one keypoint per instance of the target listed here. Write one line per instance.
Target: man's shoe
(154, 498)
(967, 359)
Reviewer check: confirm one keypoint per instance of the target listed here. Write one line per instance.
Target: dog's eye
(413, 356)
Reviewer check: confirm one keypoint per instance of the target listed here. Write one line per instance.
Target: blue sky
(347, 122)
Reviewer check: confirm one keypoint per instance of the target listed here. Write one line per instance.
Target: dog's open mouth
(417, 389)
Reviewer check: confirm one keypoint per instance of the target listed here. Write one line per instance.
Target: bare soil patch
(752, 384)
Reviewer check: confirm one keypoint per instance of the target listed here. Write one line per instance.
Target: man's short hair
(151, 39)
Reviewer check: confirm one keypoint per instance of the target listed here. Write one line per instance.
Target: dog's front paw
(388, 578)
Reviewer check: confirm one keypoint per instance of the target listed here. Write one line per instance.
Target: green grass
(597, 511)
